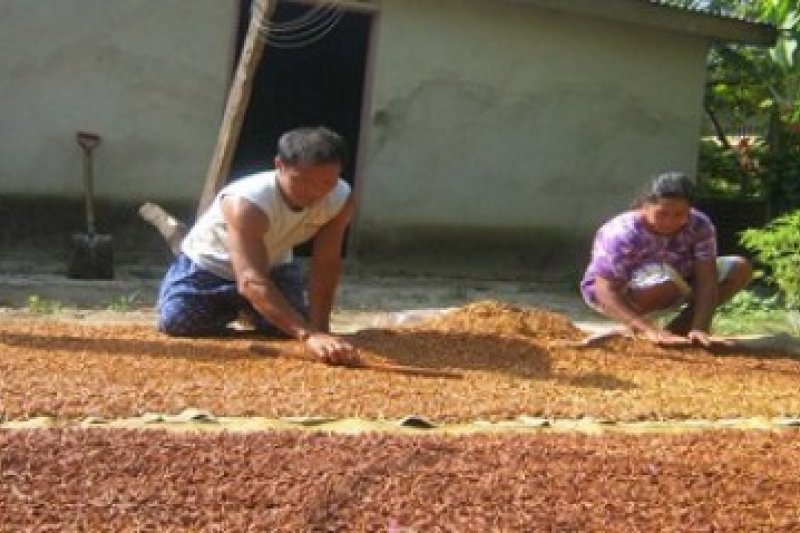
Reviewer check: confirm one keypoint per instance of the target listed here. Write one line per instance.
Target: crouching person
(662, 255)
(237, 258)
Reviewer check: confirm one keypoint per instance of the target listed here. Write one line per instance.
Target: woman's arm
(705, 297)
(614, 304)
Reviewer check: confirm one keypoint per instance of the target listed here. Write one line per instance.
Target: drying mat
(126, 480)
(506, 355)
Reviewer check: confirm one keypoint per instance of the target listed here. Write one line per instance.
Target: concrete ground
(364, 297)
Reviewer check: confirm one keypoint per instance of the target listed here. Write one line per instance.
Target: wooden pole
(378, 367)
(238, 100)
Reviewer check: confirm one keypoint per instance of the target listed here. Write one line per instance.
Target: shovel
(92, 255)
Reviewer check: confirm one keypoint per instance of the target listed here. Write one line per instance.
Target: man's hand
(332, 349)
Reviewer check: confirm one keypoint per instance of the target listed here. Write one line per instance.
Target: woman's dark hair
(315, 146)
(667, 185)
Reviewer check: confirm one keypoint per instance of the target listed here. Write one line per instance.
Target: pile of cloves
(126, 480)
(510, 368)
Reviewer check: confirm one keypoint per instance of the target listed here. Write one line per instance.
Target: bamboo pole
(238, 100)
(378, 367)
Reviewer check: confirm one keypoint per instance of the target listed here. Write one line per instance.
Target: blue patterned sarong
(193, 302)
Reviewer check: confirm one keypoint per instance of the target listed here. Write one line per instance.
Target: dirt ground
(362, 297)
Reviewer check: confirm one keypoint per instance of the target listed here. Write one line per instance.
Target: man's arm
(326, 266)
(250, 258)
(246, 227)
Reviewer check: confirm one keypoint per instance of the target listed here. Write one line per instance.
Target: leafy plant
(721, 174)
(750, 302)
(755, 91)
(750, 313)
(781, 166)
(777, 246)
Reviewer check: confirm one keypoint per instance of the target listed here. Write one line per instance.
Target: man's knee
(172, 327)
(179, 320)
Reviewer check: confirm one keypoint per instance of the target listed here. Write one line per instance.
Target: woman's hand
(332, 350)
(697, 336)
(665, 338)
(708, 341)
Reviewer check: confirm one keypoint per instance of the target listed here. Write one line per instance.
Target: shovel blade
(92, 257)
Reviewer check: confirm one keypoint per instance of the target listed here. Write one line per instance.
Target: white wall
(149, 76)
(484, 114)
(494, 114)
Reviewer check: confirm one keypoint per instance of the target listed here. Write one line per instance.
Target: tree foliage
(777, 246)
(755, 87)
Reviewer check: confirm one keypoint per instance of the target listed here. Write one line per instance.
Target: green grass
(754, 322)
(124, 302)
(43, 306)
(751, 313)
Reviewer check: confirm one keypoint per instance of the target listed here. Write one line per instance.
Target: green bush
(749, 302)
(754, 312)
(781, 173)
(755, 171)
(777, 247)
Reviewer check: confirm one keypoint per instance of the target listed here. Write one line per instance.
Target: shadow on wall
(497, 253)
(39, 230)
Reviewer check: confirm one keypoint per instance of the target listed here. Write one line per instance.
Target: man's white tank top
(206, 244)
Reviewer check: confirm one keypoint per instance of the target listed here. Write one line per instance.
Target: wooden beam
(301, 354)
(238, 100)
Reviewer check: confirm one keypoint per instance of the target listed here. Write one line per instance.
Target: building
(486, 133)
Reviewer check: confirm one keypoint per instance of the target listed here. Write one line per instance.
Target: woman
(661, 255)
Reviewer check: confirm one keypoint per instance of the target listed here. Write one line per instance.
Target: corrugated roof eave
(662, 14)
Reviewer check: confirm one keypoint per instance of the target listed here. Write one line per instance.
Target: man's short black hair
(314, 146)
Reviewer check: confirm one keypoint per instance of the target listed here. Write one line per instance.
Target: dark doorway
(301, 83)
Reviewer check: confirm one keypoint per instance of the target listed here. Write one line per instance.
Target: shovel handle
(88, 141)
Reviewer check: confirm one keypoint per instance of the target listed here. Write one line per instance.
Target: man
(237, 259)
